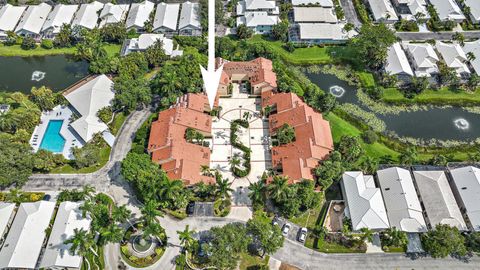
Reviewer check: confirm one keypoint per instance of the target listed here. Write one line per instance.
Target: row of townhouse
(413, 201)
(316, 22)
(30, 244)
(44, 21)
(421, 59)
(258, 15)
(390, 11)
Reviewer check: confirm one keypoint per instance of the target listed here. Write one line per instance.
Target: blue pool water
(52, 140)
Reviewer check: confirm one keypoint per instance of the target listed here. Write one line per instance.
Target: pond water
(453, 123)
(56, 72)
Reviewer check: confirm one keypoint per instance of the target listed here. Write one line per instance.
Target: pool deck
(71, 139)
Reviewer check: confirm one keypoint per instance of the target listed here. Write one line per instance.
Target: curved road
(108, 179)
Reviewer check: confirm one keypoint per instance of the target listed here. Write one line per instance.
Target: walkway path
(100, 179)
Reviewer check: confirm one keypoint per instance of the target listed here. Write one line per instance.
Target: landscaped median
(235, 161)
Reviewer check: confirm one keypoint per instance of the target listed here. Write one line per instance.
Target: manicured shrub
(369, 136)
(47, 44)
(28, 43)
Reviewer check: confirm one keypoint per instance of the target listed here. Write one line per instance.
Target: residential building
(383, 11)
(397, 62)
(32, 20)
(454, 57)
(166, 18)
(6, 214)
(168, 146)
(258, 15)
(57, 254)
(27, 234)
(87, 15)
(466, 186)
(363, 202)
(411, 9)
(314, 15)
(448, 10)
(401, 200)
(189, 23)
(258, 72)
(321, 3)
(146, 40)
(474, 10)
(473, 47)
(438, 200)
(137, 16)
(313, 139)
(9, 17)
(60, 15)
(86, 100)
(316, 33)
(423, 58)
(113, 14)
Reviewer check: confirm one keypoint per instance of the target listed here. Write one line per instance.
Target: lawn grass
(308, 219)
(325, 247)
(393, 249)
(117, 122)
(248, 261)
(16, 50)
(341, 127)
(442, 96)
(306, 56)
(68, 168)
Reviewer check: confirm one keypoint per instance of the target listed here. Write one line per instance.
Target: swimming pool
(52, 140)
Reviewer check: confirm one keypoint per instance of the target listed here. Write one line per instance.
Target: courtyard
(256, 137)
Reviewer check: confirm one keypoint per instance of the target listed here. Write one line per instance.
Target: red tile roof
(258, 71)
(313, 139)
(167, 144)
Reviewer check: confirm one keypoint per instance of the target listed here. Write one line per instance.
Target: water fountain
(337, 91)
(461, 124)
(38, 75)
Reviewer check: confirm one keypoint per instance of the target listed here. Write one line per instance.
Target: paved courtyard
(256, 137)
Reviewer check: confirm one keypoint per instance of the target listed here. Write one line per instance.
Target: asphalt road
(437, 36)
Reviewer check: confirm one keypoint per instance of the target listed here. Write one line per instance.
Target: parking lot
(294, 229)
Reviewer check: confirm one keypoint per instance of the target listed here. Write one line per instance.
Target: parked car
(302, 235)
(275, 222)
(286, 228)
(190, 208)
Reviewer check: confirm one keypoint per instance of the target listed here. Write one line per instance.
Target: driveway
(203, 209)
(350, 13)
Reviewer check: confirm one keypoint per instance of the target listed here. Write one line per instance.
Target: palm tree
(81, 242)
(369, 165)
(234, 161)
(121, 214)
(113, 234)
(170, 189)
(460, 38)
(86, 207)
(186, 237)
(278, 188)
(153, 229)
(471, 56)
(15, 196)
(256, 192)
(395, 237)
(223, 187)
(367, 234)
(88, 191)
(150, 212)
(205, 170)
(409, 157)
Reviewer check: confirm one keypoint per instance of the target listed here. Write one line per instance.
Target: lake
(434, 123)
(55, 71)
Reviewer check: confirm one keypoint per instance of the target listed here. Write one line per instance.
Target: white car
(286, 228)
(302, 235)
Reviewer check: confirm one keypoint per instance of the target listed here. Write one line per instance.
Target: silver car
(286, 228)
(302, 235)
